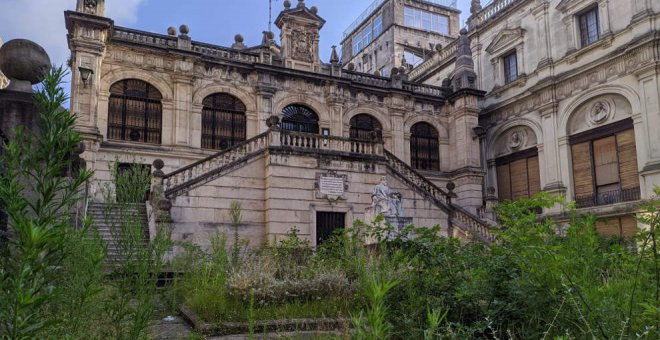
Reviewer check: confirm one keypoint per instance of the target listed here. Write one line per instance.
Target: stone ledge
(233, 328)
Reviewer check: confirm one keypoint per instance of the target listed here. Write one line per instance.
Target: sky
(210, 21)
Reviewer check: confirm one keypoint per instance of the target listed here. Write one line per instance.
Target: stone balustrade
(224, 53)
(418, 181)
(309, 141)
(468, 222)
(491, 10)
(446, 53)
(367, 79)
(135, 36)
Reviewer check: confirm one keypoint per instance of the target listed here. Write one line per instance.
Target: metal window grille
(300, 118)
(365, 127)
(223, 121)
(424, 149)
(135, 112)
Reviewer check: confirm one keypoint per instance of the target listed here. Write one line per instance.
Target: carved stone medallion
(600, 111)
(516, 140)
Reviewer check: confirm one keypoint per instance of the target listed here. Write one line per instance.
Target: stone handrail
(446, 53)
(186, 178)
(223, 52)
(423, 89)
(472, 223)
(466, 220)
(312, 141)
(367, 79)
(131, 35)
(488, 12)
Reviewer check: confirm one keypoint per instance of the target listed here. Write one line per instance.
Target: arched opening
(424, 148)
(300, 118)
(135, 112)
(516, 163)
(365, 127)
(223, 121)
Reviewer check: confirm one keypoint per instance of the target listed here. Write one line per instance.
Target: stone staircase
(194, 175)
(459, 217)
(108, 219)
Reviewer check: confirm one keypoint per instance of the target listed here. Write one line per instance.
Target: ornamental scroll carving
(90, 6)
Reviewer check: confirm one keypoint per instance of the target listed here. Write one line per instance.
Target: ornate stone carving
(385, 201)
(303, 45)
(599, 113)
(516, 140)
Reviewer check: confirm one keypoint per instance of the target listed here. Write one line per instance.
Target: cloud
(42, 21)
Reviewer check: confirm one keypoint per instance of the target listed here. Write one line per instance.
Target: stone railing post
(160, 205)
(273, 123)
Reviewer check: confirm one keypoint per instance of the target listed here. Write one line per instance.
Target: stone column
(542, 36)
(398, 135)
(467, 173)
(551, 172)
(265, 93)
(87, 37)
(183, 87)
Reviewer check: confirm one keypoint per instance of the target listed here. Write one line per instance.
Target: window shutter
(582, 176)
(503, 182)
(519, 180)
(605, 161)
(628, 226)
(534, 175)
(627, 159)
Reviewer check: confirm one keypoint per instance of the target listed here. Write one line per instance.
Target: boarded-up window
(622, 226)
(605, 165)
(518, 175)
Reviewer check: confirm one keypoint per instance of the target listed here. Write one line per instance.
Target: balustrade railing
(492, 9)
(223, 52)
(446, 53)
(466, 220)
(186, 178)
(367, 79)
(312, 141)
(130, 35)
(608, 197)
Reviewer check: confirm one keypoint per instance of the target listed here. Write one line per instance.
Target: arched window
(424, 150)
(363, 126)
(223, 121)
(300, 118)
(135, 112)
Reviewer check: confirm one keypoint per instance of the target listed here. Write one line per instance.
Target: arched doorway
(363, 126)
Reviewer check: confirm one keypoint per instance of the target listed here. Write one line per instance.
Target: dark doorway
(130, 179)
(327, 223)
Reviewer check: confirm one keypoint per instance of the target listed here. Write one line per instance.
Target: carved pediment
(505, 39)
(565, 6)
(302, 14)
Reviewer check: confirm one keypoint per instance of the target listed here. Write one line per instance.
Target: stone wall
(278, 192)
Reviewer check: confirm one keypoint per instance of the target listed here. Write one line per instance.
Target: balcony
(608, 197)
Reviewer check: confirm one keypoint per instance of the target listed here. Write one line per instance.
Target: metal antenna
(270, 15)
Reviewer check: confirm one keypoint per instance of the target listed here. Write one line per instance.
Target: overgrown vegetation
(55, 281)
(536, 282)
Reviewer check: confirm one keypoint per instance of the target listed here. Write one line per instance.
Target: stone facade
(385, 49)
(273, 170)
(570, 80)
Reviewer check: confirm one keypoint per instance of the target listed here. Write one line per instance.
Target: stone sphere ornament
(287, 4)
(24, 62)
(238, 38)
(314, 9)
(183, 29)
(171, 31)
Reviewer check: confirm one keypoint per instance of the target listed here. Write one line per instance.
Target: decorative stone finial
(314, 9)
(24, 63)
(158, 164)
(238, 42)
(287, 4)
(184, 30)
(171, 31)
(464, 75)
(450, 186)
(351, 67)
(438, 47)
(301, 4)
(273, 122)
(334, 57)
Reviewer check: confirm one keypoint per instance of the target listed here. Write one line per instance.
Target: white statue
(385, 201)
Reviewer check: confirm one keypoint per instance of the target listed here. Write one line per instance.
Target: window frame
(415, 147)
(152, 112)
(368, 34)
(508, 77)
(237, 114)
(586, 40)
(420, 19)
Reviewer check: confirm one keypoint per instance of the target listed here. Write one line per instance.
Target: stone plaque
(331, 186)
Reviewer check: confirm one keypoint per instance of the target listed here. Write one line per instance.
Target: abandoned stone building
(560, 96)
